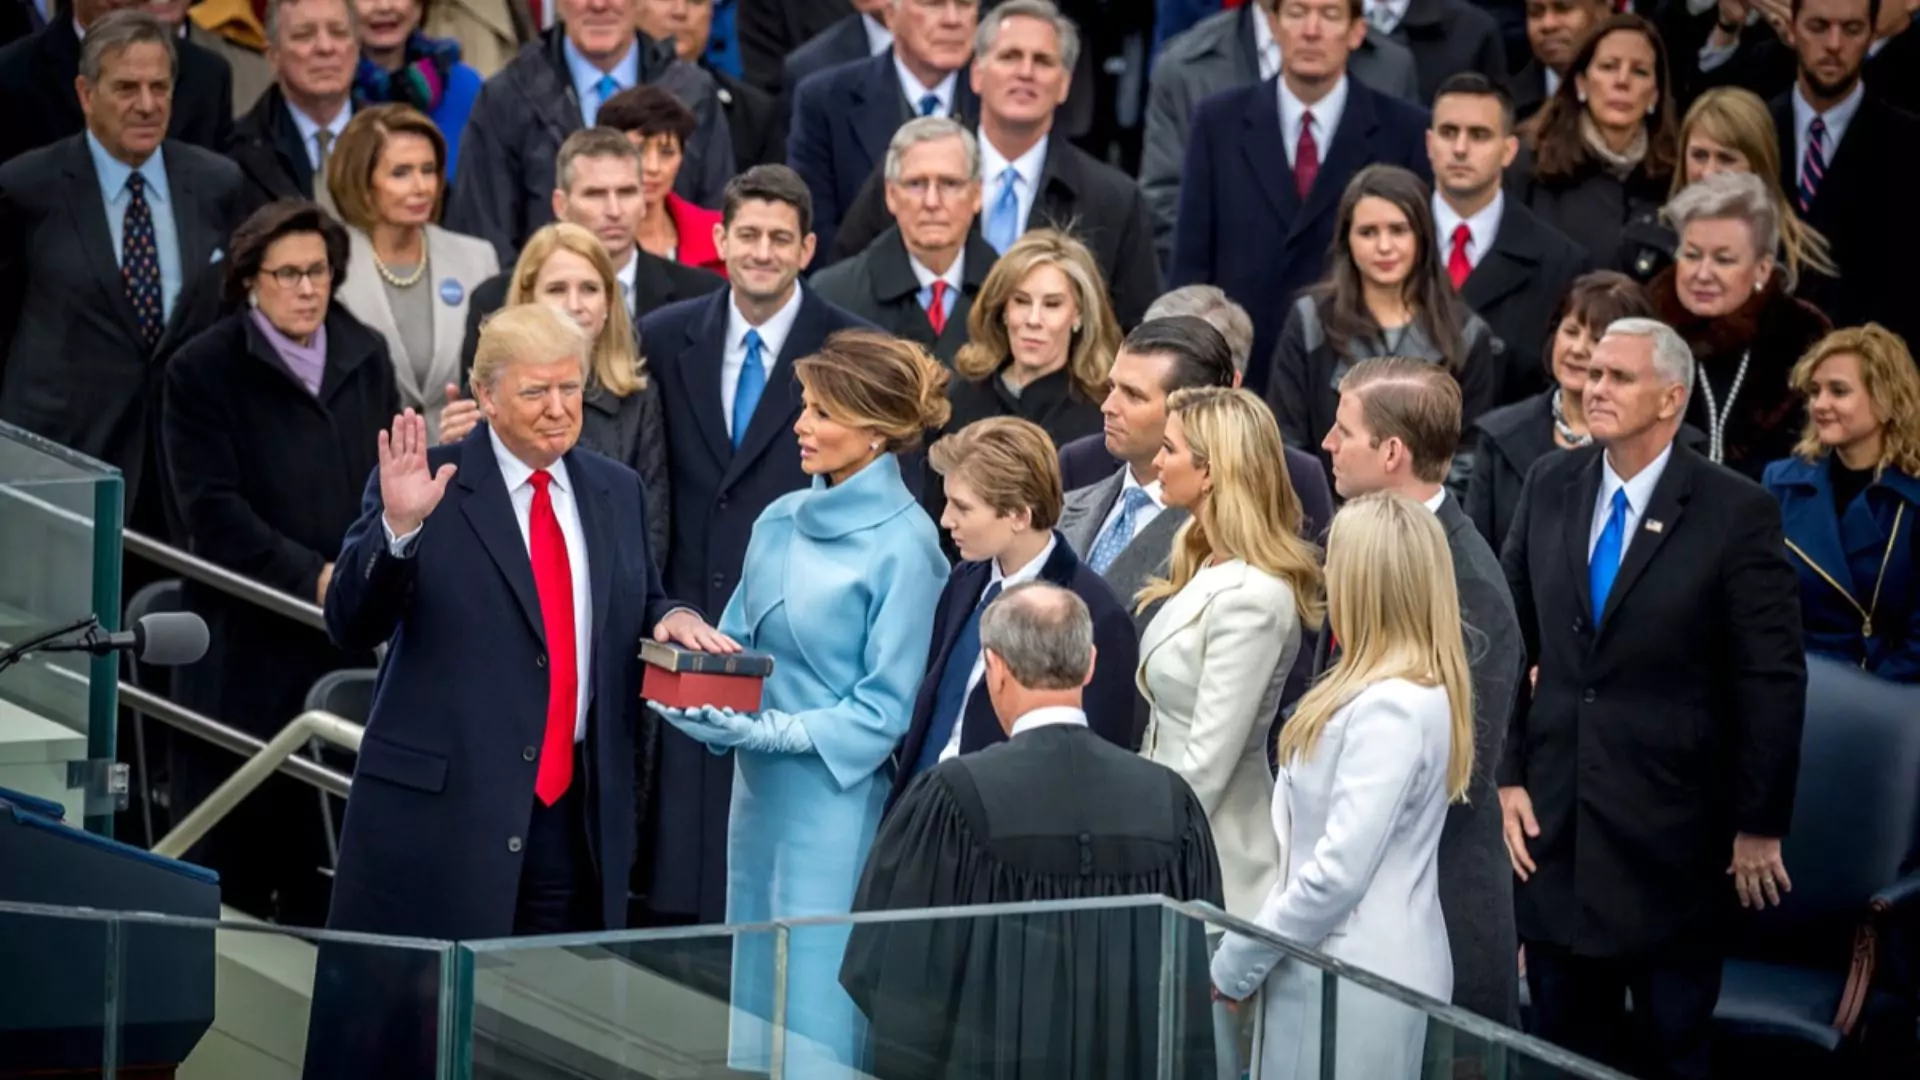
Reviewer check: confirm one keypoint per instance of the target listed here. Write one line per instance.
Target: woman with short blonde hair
(1369, 762)
(1215, 656)
(407, 279)
(1850, 500)
(1042, 336)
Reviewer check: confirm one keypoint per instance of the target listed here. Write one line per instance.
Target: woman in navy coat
(839, 586)
(1848, 500)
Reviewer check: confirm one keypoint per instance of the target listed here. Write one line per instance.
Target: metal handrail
(314, 724)
(197, 569)
(307, 772)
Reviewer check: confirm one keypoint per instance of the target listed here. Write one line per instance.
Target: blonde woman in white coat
(1214, 657)
(1369, 761)
(407, 279)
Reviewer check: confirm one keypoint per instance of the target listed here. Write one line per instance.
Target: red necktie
(1457, 265)
(937, 311)
(1306, 161)
(553, 580)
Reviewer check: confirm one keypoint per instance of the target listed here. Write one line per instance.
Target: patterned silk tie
(1115, 538)
(140, 261)
(1813, 167)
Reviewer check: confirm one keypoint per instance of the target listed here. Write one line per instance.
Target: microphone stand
(50, 638)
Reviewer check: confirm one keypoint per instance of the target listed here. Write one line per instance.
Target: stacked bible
(684, 679)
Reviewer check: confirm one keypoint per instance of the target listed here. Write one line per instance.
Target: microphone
(164, 639)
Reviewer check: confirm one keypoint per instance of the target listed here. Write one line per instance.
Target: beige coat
(489, 31)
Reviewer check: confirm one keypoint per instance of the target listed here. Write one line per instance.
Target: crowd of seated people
(1426, 439)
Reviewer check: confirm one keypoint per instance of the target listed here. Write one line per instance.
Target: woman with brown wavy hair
(1041, 338)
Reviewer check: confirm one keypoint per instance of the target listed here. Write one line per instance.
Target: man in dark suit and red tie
(1648, 773)
(509, 576)
(1266, 165)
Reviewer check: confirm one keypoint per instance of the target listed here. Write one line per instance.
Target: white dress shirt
(1552, 81)
(309, 129)
(1639, 493)
(1048, 717)
(1483, 227)
(1140, 520)
(1326, 118)
(773, 338)
(1029, 572)
(624, 276)
(1265, 46)
(879, 38)
(1027, 167)
(585, 76)
(1385, 15)
(955, 275)
(911, 86)
(518, 476)
(1837, 119)
(1433, 501)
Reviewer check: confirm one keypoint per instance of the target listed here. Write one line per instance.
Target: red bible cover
(692, 689)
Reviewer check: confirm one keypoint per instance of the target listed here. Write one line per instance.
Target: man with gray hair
(918, 279)
(1054, 813)
(283, 142)
(1649, 767)
(37, 79)
(102, 237)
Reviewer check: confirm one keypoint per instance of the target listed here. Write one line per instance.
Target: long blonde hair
(616, 366)
(1395, 612)
(1738, 120)
(1252, 513)
(1089, 355)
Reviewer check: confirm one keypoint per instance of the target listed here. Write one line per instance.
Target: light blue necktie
(603, 92)
(1003, 224)
(746, 392)
(1117, 535)
(929, 104)
(1605, 564)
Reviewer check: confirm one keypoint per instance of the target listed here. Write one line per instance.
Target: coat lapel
(872, 119)
(1080, 521)
(1263, 145)
(489, 511)
(1509, 267)
(96, 238)
(1184, 607)
(449, 319)
(1576, 521)
(369, 301)
(705, 348)
(591, 497)
(1352, 147)
(1658, 522)
(780, 402)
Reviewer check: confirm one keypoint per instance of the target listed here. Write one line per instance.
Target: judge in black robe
(1055, 813)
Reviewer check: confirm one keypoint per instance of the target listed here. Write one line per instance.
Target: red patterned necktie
(140, 261)
(937, 310)
(553, 580)
(1458, 268)
(1306, 160)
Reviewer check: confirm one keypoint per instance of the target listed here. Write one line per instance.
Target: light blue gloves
(769, 731)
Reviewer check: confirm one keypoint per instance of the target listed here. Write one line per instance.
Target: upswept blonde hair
(874, 380)
(1090, 354)
(1890, 382)
(1395, 612)
(1252, 512)
(615, 366)
(1739, 120)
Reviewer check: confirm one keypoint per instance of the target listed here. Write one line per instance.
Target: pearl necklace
(410, 280)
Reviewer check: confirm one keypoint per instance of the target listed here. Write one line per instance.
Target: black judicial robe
(1055, 814)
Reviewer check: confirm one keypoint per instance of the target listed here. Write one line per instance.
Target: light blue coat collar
(863, 501)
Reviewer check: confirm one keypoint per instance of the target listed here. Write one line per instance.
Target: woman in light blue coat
(840, 585)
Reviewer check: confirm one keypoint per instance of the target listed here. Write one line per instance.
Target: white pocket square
(217, 256)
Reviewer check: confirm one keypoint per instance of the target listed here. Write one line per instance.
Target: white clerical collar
(1048, 717)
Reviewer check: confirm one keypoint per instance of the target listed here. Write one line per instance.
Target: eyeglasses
(949, 187)
(290, 277)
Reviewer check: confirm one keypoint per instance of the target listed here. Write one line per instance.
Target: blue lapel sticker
(451, 293)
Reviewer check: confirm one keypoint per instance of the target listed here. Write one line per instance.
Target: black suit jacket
(755, 118)
(718, 493)
(42, 107)
(1096, 202)
(1517, 287)
(772, 30)
(267, 147)
(1085, 462)
(1662, 725)
(1529, 89)
(75, 368)
(1448, 37)
(878, 285)
(842, 42)
(843, 119)
(1110, 698)
(1866, 212)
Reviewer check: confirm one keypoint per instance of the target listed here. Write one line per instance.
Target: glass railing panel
(60, 525)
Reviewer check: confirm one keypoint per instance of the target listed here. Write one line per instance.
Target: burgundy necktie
(937, 310)
(553, 580)
(1458, 268)
(1306, 161)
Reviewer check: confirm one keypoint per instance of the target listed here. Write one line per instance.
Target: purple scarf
(304, 362)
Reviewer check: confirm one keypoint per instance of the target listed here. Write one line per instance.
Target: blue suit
(1242, 225)
(1851, 549)
(1110, 699)
(840, 587)
(433, 840)
(718, 494)
(843, 119)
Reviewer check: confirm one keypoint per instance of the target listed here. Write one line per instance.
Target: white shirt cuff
(1713, 56)
(400, 547)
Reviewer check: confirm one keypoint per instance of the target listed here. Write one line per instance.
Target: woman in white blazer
(1370, 760)
(408, 279)
(1214, 657)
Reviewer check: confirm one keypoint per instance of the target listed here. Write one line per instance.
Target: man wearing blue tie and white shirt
(725, 366)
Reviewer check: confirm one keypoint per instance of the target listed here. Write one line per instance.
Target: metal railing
(197, 569)
(279, 750)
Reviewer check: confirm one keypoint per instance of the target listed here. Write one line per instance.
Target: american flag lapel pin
(1655, 526)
